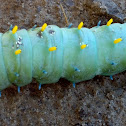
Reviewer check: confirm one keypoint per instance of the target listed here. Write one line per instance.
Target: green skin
(100, 57)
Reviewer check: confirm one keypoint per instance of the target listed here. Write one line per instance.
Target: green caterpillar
(50, 52)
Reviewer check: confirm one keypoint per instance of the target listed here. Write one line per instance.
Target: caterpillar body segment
(68, 58)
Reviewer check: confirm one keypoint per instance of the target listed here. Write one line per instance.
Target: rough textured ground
(97, 102)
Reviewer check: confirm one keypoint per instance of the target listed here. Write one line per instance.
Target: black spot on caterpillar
(48, 53)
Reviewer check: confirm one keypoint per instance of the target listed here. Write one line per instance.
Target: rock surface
(97, 102)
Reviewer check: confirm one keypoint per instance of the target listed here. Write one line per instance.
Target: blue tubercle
(18, 89)
(74, 85)
(112, 63)
(44, 72)
(99, 23)
(111, 77)
(40, 86)
(34, 27)
(16, 74)
(76, 69)
(11, 27)
(70, 25)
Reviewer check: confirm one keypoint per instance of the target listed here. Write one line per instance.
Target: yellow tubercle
(80, 25)
(117, 40)
(14, 30)
(17, 51)
(83, 46)
(52, 48)
(109, 22)
(43, 27)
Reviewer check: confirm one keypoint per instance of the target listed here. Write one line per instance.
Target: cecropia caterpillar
(48, 53)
